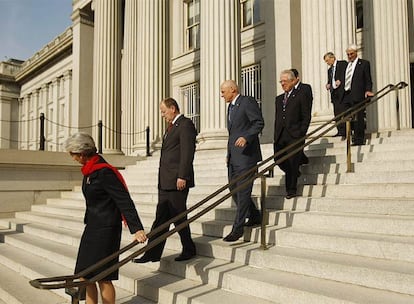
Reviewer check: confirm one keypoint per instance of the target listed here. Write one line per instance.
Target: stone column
(327, 25)
(82, 70)
(130, 74)
(387, 49)
(107, 72)
(219, 61)
(146, 48)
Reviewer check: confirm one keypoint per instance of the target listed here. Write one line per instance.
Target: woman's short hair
(81, 143)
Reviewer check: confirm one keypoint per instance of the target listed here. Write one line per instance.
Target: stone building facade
(120, 58)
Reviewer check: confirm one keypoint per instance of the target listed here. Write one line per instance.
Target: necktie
(231, 106)
(348, 77)
(285, 99)
(333, 85)
(170, 125)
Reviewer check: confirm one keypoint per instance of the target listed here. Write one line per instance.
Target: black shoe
(290, 195)
(232, 237)
(184, 257)
(357, 143)
(145, 259)
(343, 137)
(255, 221)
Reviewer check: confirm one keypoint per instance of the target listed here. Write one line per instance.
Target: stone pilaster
(327, 25)
(219, 60)
(389, 64)
(107, 72)
(151, 58)
(82, 70)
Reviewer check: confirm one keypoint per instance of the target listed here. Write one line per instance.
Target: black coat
(177, 155)
(296, 116)
(338, 93)
(361, 81)
(106, 198)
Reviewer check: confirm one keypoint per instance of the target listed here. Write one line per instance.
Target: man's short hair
(171, 102)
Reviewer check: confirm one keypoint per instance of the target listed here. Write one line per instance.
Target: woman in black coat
(108, 203)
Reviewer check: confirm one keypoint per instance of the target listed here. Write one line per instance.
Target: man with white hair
(358, 87)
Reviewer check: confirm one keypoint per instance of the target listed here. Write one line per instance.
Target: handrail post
(42, 132)
(348, 146)
(100, 125)
(147, 131)
(263, 208)
(397, 105)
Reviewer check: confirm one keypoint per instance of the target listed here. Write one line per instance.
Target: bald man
(244, 124)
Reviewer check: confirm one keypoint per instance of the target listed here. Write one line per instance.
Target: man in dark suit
(244, 124)
(175, 177)
(358, 86)
(305, 89)
(292, 119)
(335, 85)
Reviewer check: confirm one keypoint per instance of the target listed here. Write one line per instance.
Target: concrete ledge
(31, 177)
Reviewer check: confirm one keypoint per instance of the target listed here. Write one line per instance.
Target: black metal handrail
(77, 281)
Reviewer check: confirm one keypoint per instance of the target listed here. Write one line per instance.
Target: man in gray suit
(244, 123)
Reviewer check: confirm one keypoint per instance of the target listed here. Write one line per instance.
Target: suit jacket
(338, 93)
(246, 121)
(177, 155)
(106, 198)
(296, 116)
(361, 80)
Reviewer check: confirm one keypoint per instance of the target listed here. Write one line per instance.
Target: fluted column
(219, 61)
(327, 25)
(130, 72)
(146, 49)
(107, 72)
(387, 49)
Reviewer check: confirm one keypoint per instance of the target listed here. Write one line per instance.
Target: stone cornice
(52, 50)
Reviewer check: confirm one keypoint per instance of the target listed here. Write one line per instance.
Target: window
(192, 30)
(359, 9)
(250, 10)
(191, 102)
(252, 82)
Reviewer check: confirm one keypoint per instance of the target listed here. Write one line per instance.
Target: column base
(211, 140)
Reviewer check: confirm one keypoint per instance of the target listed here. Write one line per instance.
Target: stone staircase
(347, 239)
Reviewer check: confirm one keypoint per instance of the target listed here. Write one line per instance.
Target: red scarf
(92, 165)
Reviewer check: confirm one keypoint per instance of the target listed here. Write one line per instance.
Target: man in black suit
(244, 124)
(335, 85)
(175, 177)
(306, 90)
(292, 119)
(358, 86)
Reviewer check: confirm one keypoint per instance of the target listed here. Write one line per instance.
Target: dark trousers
(358, 126)
(340, 107)
(243, 198)
(291, 165)
(170, 204)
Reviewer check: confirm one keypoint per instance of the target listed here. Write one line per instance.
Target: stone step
(220, 273)
(398, 248)
(365, 223)
(15, 289)
(33, 266)
(127, 274)
(276, 285)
